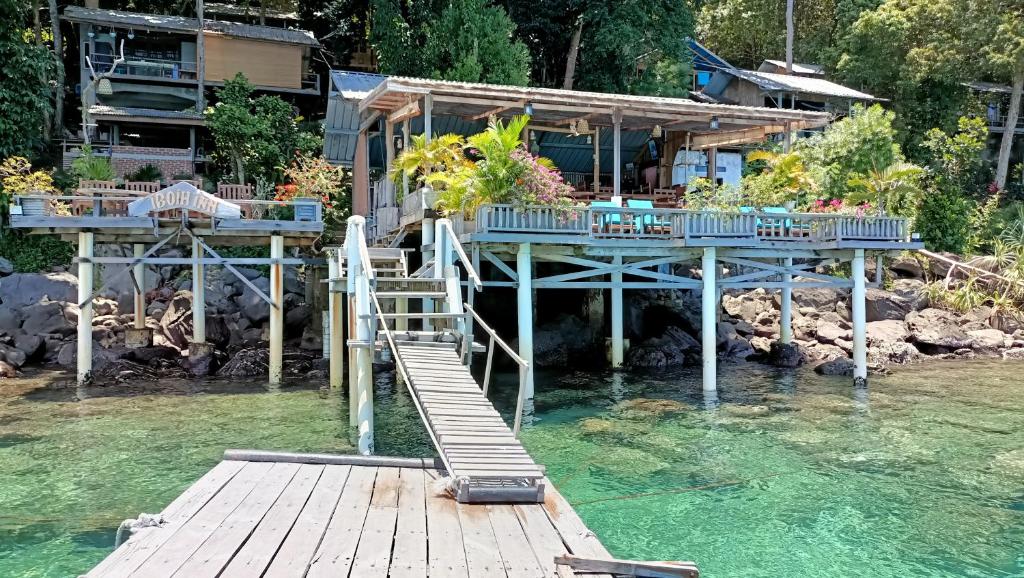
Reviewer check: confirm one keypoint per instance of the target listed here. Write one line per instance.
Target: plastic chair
(608, 220)
(647, 223)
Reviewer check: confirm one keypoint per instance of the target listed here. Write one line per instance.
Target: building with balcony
(154, 98)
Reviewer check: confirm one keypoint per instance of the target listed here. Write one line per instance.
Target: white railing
(418, 201)
(522, 363)
(113, 204)
(635, 223)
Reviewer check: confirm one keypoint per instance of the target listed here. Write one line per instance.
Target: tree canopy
(25, 91)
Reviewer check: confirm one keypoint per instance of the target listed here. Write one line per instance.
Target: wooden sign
(187, 197)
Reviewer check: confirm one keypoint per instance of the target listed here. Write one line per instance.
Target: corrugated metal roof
(187, 25)
(989, 87)
(770, 65)
(790, 83)
(128, 111)
(354, 85)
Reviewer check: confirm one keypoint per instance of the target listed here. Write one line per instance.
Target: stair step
(411, 294)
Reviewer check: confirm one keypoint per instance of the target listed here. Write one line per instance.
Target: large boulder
(22, 289)
(7, 370)
(989, 341)
(6, 267)
(893, 352)
(888, 331)
(839, 366)
(48, 317)
(12, 355)
(10, 317)
(907, 267)
(828, 332)
(176, 322)
(33, 346)
(821, 299)
(936, 331)
(880, 305)
(912, 291)
(674, 347)
(251, 304)
(785, 355)
(250, 362)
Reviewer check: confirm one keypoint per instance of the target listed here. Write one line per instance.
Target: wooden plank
(575, 534)
(373, 555)
(477, 440)
(297, 550)
(259, 550)
(482, 554)
(188, 537)
(520, 560)
(182, 508)
(542, 536)
(338, 547)
(637, 568)
(446, 555)
(409, 557)
(211, 557)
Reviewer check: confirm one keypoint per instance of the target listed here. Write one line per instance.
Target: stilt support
(334, 317)
(709, 319)
(786, 307)
(525, 312)
(198, 294)
(85, 281)
(276, 312)
(618, 348)
(365, 324)
(138, 250)
(860, 348)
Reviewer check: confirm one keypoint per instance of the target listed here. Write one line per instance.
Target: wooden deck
(486, 459)
(315, 515)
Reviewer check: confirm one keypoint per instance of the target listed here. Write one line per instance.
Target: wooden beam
(704, 141)
(630, 567)
(546, 128)
(569, 121)
(487, 113)
(408, 111)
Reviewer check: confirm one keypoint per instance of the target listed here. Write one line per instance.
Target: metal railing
(523, 366)
(461, 252)
(637, 223)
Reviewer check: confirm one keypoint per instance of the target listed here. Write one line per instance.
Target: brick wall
(170, 161)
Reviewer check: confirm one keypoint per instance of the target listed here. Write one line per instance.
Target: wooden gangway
(486, 460)
(275, 514)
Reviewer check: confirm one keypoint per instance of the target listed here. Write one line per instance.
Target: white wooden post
(389, 161)
(617, 156)
(860, 349)
(618, 353)
(709, 319)
(786, 307)
(276, 313)
(428, 117)
(353, 331)
(334, 317)
(428, 254)
(597, 159)
(364, 320)
(524, 296)
(85, 281)
(199, 294)
(138, 250)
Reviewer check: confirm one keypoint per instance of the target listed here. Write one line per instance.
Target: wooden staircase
(484, 457)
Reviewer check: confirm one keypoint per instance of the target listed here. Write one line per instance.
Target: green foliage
(91, 167)
(254, 137)
(785, 178)
(896, 189)
(956, 160)
(703, 195)
(942, 220)
(464, 40)
(35, 253)
(24, 89)
(850, 148)
(146, 173)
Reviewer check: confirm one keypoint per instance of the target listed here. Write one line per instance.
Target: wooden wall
(263, 63)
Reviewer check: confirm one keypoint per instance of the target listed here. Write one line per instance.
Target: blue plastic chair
(648, 220)
(607, 219)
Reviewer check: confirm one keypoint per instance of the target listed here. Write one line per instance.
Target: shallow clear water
(785, 474)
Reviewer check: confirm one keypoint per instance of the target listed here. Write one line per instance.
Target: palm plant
(788, 173)
(424, 157)
(497, 171)
(896, 187)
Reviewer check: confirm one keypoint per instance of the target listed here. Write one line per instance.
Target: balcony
(138, 66)
(998, 123)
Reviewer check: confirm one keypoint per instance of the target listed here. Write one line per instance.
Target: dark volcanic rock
(22, 289)
(841, 366)
(936, 331)
(250, 362)
(785, 355)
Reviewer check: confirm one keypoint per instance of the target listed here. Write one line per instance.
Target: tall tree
(24, 92)
(1005, 53)
(58, 54)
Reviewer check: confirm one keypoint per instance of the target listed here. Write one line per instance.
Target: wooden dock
(271, 514)
(487, 461)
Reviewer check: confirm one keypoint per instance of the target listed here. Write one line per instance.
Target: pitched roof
(770, 65)
(104, 112)
(187, 25)
(791, 83)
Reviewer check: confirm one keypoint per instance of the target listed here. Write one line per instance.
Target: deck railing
(632, 223)
(112, 204)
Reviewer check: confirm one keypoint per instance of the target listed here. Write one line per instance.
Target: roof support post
(361, 176)
(428, 254)
(389, 162)
(786, 304)
(334, 316)
(406, 131)
(276, 313)
(617, 156)
(597, 159)
(524, 294)
(860, 349)
(428, 117)
(709, 319)
(85, 280)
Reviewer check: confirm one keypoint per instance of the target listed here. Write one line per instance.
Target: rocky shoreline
(38, 316)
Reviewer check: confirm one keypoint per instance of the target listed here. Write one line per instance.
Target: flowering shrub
(314, 178)
(539, 183)
(839, 207)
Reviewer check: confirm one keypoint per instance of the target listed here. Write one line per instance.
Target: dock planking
(313, 519)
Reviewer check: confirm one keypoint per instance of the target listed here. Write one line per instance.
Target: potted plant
(18, 178)
(313, 181)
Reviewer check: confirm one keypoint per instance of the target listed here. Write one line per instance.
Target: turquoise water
(784, 474)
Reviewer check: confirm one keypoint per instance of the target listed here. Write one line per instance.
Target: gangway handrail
(523, 366)
(404, 371)
(461, 252)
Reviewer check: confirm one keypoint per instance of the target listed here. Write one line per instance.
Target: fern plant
(91, 167)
